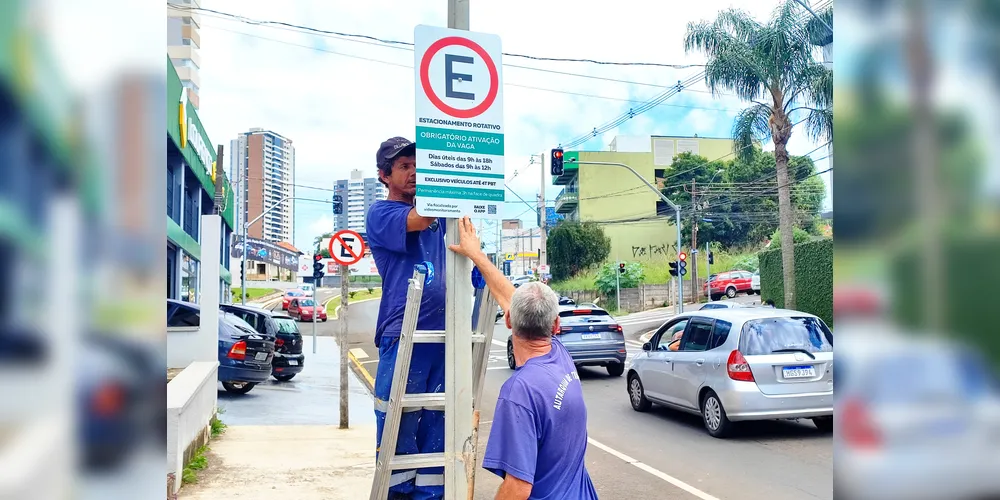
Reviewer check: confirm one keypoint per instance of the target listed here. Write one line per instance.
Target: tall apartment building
(266, 161)
(183, 42)
(358, 195)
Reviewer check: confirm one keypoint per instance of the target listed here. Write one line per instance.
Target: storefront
(193, 181)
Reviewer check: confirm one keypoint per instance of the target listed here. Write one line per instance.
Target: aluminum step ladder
(483, 322)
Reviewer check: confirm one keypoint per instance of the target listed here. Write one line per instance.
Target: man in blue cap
(399, 239)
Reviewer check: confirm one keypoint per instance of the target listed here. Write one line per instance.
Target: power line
(390, 42)
(510, 84)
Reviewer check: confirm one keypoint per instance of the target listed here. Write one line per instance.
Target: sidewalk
(304, 462)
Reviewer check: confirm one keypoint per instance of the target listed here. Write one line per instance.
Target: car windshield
(294, 294)
(306, 302)
(286, 325)
(775, 335)
(583, 315)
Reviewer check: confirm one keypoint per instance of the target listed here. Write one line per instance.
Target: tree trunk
(786, 223)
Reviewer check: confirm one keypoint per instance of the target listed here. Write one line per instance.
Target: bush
(574, 246)
(798, 236)
(371, 289)
(351, 293)
(608, 277)
(813, 278)
(748, 262)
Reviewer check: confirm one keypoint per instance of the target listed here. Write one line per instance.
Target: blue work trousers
(420, 430)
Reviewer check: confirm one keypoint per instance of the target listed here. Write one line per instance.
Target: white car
(307, 289)
(755, 283)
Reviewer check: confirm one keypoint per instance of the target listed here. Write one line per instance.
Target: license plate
(798, 371)
(293, 362)
(261, 356)
(590, 336)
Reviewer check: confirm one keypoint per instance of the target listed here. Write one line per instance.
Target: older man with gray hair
(539, 434)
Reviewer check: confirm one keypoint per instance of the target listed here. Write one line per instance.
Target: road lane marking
(359, 353)
(369, 361)
(634, 343)
(497, 342)
(368, 376)
(660, 474)
(498, 368)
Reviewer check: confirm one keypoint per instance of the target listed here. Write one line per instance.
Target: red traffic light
(557, 153)
(682, 256)
(317, 257)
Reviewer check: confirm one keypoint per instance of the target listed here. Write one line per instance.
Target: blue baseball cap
(391, 148)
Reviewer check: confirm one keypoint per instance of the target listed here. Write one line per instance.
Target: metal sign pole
(342, 319)
(315, 313)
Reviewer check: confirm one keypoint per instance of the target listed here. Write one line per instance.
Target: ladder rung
(431, 337)
(417, 461)
(433, 400)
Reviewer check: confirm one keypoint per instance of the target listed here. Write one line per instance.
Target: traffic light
(243, 278)
(338, 204)
(621, 267)
(557, 162)
(318, 269)
(673, 268)
(682, 265)
(711, 258)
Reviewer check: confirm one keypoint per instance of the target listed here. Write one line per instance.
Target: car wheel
(511, 363)
(616, 369)
(716, 422)
(824, 424)
(730, 292)
(284, 378)
(238, 387)
(637, 395)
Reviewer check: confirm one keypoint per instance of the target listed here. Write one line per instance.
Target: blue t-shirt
(539, 432)
(396, 251)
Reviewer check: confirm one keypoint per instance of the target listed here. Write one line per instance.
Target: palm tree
(771, 65)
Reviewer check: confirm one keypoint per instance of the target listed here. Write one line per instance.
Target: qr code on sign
(491, 209)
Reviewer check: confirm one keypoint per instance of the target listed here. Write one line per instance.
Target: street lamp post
(246, 226)
(677, 214)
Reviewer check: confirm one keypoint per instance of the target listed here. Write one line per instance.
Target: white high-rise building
(358, 194)
(262, 170)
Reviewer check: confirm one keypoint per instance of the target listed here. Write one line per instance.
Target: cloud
(337, 98)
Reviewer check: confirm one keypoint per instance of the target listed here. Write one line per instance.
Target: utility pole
(542, 248)
(463, 422)
(694, 241)
(342, 319)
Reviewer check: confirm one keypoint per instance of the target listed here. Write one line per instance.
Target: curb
(361, 372)
(336, 312)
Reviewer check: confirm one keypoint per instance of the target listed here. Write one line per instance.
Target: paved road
(662, 453)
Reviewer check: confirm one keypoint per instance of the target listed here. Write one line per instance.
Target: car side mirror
(647, 346)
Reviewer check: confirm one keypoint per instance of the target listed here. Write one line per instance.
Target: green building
(195, 187)
(637, 221)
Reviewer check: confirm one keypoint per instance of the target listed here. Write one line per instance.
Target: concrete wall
(639, 299)
(192, 398)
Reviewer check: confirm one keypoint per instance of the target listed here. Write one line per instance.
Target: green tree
(771, 65)
(609, 278)
(573, 246)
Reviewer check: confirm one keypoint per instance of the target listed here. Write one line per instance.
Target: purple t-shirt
(396, 251)
(539, 430)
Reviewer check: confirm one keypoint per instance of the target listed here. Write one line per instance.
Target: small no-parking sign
(459, 119)
(346, 247)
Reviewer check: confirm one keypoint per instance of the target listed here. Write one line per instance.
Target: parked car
(244, 354)
(566, 301)
(728, 284)
(499, 312)
(738, 364)
(301, 308)
(592, 337)
(755, 283)
(289, 295)
(288, 358)
(520, 280)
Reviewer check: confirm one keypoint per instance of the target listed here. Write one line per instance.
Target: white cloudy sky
(337, 99)
(321, 92)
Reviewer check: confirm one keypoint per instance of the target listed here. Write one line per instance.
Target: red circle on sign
(425, 82)
(339, 236)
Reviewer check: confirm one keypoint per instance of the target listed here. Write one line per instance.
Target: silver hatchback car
(738, 364)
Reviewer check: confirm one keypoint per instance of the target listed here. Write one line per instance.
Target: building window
(189, 278)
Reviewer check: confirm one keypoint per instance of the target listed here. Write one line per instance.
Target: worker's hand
(468, 243)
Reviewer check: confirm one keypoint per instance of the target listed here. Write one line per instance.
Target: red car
(289, 295)
(729, 284)
(301, 308)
